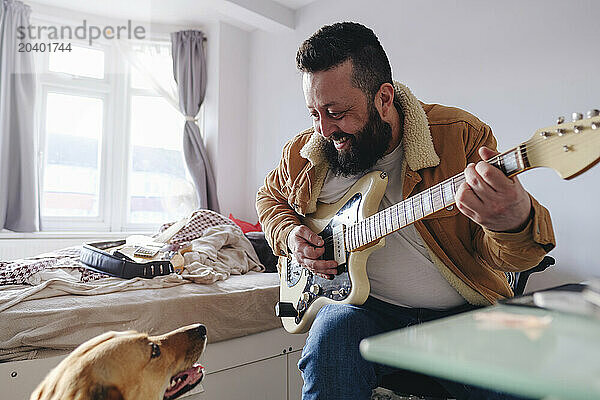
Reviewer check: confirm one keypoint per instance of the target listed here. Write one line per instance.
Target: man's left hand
(491, 199)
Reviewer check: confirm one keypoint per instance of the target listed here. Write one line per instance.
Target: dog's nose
(201, 329)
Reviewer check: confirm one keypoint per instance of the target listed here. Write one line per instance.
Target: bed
(248, 356)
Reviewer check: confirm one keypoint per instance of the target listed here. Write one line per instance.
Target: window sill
(67, 235)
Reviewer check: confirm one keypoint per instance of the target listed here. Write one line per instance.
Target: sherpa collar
(418, 146)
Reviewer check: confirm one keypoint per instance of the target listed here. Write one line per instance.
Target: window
(72, 169)
(158, 185)
(110, 146)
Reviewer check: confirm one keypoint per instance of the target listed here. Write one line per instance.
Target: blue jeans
(331, 364)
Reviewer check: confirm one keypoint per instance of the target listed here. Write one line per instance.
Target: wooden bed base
(258, 366)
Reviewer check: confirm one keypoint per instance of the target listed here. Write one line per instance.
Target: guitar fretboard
(427, 202)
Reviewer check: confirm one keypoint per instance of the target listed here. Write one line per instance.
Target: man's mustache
(340, 135)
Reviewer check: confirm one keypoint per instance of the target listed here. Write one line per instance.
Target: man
(364, 121)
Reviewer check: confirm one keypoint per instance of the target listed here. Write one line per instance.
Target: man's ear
(384, 100)
(101, 392)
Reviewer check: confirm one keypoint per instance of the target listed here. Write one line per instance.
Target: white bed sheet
(48, 326)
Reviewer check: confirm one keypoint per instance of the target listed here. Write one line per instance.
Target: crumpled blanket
(221, 251)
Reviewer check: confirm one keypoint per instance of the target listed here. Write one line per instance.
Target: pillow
(246, 226)
(263, 250)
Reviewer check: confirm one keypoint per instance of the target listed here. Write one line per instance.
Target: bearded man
(439, 266)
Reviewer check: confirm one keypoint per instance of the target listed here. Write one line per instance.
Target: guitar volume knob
(315, 289)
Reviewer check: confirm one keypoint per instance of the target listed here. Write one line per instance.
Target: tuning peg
(577, 116)
(593, 113)
(560, 120)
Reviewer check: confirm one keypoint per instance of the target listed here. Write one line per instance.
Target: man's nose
(326, 128)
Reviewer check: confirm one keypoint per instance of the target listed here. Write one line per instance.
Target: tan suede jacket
(438, 143)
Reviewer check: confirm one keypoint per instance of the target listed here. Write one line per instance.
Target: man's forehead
(330, 88)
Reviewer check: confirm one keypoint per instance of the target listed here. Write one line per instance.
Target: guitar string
(459, 177)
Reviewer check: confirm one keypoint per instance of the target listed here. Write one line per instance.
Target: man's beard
(365, 147)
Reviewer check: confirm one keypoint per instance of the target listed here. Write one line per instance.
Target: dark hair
(333, 44)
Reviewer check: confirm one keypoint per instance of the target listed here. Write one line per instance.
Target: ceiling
(269, 15)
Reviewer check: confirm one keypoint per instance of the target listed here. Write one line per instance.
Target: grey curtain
(189, 69)
(19, 207)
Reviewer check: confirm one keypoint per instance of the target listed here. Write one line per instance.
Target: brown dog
(128, 366)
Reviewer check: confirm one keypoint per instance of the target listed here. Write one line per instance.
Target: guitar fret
(388, 220)
(447, 195)
(363, 238)
(402, 215)
(395, 218)
(454, 188)
(417, 207)
(510, 162)
(500, 164)
(348, 237)
(426, 202)
(408, 211)
(438, 201)
(371, 229)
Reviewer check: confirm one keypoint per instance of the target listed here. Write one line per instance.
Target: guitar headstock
(569, 148)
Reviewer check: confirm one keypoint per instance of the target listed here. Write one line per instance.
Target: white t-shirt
(402, 272)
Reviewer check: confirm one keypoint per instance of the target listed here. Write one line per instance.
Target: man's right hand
(306, 247)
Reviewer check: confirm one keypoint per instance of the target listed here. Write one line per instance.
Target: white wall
(226, 124)
(515, 64)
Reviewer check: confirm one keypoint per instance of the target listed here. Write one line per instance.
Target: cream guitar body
(353, 227)
(351, 285)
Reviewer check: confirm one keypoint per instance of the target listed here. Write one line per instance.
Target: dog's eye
(155, 350)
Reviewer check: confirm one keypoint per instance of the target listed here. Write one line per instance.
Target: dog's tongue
(184, 382)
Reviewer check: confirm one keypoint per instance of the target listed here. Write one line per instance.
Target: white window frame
(115, 157)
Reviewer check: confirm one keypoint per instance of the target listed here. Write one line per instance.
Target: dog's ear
(100, 392)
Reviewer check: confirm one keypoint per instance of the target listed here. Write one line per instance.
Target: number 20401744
(42, 47)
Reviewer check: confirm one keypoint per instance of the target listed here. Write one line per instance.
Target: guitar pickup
(339, 246)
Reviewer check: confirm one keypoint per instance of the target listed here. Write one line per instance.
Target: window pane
(159, 190)
(158, 62)
(81, 61)
(71, 170)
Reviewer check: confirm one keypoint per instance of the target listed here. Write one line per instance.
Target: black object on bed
(95, 257)
(263, 250)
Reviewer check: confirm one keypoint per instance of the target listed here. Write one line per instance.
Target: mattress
(49, 326)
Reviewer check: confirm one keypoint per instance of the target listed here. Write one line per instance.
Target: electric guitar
(352, 228)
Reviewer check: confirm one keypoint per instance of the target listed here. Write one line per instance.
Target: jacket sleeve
(274, 213)
(506, 251)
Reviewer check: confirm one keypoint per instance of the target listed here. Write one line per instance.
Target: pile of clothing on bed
(53, 301)
(219, 249)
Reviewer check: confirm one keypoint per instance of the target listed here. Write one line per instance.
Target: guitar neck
(429, 201)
